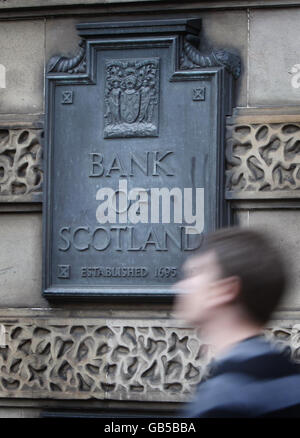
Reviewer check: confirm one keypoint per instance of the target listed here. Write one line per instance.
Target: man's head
(235, 268)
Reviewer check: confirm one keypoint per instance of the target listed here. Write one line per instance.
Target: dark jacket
(254, 379)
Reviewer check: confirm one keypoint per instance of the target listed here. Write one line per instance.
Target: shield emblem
(130, 106)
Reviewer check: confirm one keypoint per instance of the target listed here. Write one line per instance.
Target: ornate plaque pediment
(134, 157)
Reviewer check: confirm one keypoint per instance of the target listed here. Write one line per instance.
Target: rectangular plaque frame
(209, 85)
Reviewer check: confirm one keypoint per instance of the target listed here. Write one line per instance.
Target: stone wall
(113, 356)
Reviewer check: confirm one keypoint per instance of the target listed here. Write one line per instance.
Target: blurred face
(199, 286)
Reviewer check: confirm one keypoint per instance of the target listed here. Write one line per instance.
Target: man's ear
(225, 291)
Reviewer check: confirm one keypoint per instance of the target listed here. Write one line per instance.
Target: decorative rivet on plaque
(199, 94)
(67, 97)
(63, 271)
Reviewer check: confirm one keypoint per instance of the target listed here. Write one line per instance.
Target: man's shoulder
(219, 395)
(252, 379)
(256, 358)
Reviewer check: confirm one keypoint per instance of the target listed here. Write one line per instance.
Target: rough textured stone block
(21, 172)
(22, 54)
(4, 4)
(228, 29)
(61, 37)
(7, 412)
(273, 51)
(241, 218)
(284, 225)
(20, 260)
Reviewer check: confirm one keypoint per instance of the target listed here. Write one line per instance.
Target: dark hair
(250, 255)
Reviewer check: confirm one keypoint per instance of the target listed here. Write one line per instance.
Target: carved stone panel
(131, 98)
(108, 358)
(263, 160)
(21, 172)
(101, 358)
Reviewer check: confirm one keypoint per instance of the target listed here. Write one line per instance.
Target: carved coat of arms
(131, 98)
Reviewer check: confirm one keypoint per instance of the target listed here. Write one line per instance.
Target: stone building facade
(62, 357)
